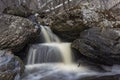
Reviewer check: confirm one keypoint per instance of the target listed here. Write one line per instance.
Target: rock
(22, 11)
(16, 32)
(68, 24)
(100, 45)
(22, 8)
(11, 67)
(17, 7)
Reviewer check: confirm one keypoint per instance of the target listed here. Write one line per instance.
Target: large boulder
(23, 8)
(68, 24)
(16, 32)
(15, 7)
(11, 67)
(22, 11)
(101, 45)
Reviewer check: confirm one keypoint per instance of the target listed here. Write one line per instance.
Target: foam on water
(61, 71)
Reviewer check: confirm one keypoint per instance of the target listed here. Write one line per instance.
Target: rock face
(15, 32)
(11, 66)
(22, 8)
(22, 11)
(100, 45)
(68, 24)
(17, 7)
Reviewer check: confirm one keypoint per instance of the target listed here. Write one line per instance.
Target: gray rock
(100, 45)
(16, 7)
(22, 8)
(11, 67)
(68, 25)
(15, 32)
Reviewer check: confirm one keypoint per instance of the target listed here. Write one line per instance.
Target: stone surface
(15, 32)
(11, 67)
(22, 11)
(22, 8)
(15, 7)
(100, 45)
(68, 24)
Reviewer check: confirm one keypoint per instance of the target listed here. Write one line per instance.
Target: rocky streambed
(93, 32)
(15, 33)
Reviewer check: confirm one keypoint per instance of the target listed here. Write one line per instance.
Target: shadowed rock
(15, 32)
(100, 45)
(11, 67)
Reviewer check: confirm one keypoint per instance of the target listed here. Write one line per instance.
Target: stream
(52, 59)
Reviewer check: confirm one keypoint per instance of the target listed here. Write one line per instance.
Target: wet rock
(16, 32)
(100, 45)
(11, 67)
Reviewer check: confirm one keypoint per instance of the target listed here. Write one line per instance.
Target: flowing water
(50, 49)
(51, 59)
(48, 36)
(50, 52)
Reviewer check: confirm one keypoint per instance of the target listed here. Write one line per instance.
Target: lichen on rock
(16, 32)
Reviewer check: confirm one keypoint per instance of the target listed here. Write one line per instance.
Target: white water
(65, 72)
(66, 52)
(49, 52)
(31, 56)
(43, 70)
(53, 61)
(48, 35)
(52, 48)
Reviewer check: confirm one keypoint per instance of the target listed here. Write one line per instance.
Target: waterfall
(48, 35)
(52, 59)
(50, 50)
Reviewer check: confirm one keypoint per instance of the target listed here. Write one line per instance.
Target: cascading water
(52, 50)
(52, 59)
(48, 35)
(49, 47)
